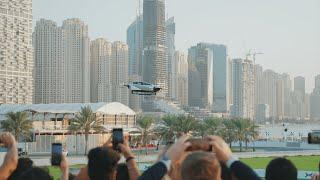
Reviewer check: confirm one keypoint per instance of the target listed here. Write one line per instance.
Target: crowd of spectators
(179, 161)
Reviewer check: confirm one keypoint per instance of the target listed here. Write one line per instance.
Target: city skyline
(216, 83)
(274, 33)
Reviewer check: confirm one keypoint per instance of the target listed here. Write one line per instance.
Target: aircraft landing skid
(143, 93)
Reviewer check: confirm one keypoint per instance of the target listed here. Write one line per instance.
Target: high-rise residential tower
(16, 54)
(49, 70)
(155, 62)
(182, 77)
(270, 91)
(201, 57)
(243, 89)
(300, 92)
(172, 64)
(315, 100)
(119, 72)
(135, 44)
(100, 71)
(210, 60)
(220, 79)
(77, 61)
(300, 85)
(258, 85)
(287, 86)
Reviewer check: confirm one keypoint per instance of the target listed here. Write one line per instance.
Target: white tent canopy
(114, 108)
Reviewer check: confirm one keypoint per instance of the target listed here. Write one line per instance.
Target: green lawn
(309, 163)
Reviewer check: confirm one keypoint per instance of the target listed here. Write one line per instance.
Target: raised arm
(11, 159)
(161, 168)
(224, 155)
(134, 172)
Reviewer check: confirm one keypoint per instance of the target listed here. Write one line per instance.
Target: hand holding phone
(117, 137)
(56, 153)
(199, 145)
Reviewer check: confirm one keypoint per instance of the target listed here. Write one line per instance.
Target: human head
(35, 173)
(122, 172)
(281, 169)
(102, 163)
(201, 165)
(24, 164)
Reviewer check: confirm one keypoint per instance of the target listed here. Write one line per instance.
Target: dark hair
(24, 164)
(200, 165)
(36, 173)
(281, 169)
(122, 172)
(102, 163)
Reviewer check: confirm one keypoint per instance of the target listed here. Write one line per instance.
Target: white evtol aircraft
(143, 88)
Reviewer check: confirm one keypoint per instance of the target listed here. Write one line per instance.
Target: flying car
(143, 88)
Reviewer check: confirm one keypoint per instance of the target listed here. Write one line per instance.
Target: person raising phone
(11, 159)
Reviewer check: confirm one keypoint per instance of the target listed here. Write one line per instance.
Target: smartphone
(56, 153)
(117, 137)
(314, 137)
(198, 145)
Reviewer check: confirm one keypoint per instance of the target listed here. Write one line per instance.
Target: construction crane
(253, 54)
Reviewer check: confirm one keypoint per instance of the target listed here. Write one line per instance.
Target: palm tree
(84, 122)
(213, 126)
(166, 128)
(185, 124)
(241, 126)
(202, 129)
(17, 124)
(253, 132)
(173, 126)
(144, 125)
(228, 132)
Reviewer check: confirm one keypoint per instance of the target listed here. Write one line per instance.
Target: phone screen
(56, 152)
(117, 137)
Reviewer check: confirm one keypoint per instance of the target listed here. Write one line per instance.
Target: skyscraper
(100, 71)
(243, 89)
(258, 85)
(315, 100)
(287, 86)
(50, 69)
(202, 58)
(317, 82)
(194, 82)
(300, 92)
(270, 91)
(299, 85)
(210, 60)
(119, 72)
(135, 44)
(16, 54)
(155, 62)
(182, 78)
(172, 64)
(134, 99)
(220, 79)
(77, 61)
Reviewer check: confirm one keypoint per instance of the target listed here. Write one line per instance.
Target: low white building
(51, 122)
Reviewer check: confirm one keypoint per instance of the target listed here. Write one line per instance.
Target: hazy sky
(286, 31)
